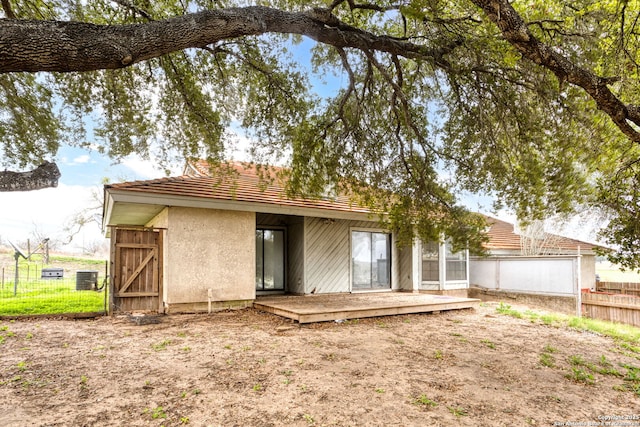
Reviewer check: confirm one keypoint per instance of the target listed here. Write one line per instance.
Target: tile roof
(243, 184)
(502, 235)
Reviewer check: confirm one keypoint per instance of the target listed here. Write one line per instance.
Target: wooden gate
(136, 270)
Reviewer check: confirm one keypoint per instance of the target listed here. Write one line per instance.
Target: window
(370, 257)
(456, 264)
(430, 262)
(269, 260)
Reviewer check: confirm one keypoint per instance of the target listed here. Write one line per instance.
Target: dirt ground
(246, 368)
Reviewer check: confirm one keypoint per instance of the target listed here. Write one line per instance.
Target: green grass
(627, 339)
(423, 400)
(35, 295)
(626, 335)
(49, 298)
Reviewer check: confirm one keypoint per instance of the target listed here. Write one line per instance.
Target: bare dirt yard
(246, 368)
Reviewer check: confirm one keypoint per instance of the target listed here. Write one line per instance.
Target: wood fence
(613, 307)
(626, 288)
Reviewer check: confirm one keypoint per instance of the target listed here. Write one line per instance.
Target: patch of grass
(379, 390)
(551, 319)
(488, 343)
(617, 331)
(547, 360)
(423, 400)
(309, 419)
(437, 355)
(257, 387)
(158, 412)
(577, 360)
(458, 411)
(460, 337)
(549, 349)
(626, 336)
(629, 347)
(580, 375)
(51, 296)
(162, 345)
(503, 308)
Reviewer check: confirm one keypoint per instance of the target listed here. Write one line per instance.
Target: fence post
(579, 284)
(15, 281)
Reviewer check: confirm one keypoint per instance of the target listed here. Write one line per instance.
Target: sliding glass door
(270, 263)
(370, 260)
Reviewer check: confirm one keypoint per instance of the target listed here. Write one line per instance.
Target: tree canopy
(534, 102)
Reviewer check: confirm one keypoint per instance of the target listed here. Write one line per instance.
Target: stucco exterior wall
(161, 221)
(588, 272)
(207, 249)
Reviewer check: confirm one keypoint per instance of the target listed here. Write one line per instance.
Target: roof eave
(113, 196)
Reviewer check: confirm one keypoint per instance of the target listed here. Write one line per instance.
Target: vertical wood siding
(405, 273)
(295, 255)
(328, 254)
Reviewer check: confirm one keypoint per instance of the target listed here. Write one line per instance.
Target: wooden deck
(328, 307)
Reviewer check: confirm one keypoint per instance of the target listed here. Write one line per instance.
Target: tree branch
(8, 12)
(32, 46)
(516, 32)
(44, 176)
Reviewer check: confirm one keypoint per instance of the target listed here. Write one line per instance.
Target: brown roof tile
(244, 184)
(502, 235)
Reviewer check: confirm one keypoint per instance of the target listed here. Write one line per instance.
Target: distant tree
(535, 102)
(534, 240)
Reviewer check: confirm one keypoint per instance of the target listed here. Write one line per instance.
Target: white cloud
(144, 169)
(48, 211)
(85, 158)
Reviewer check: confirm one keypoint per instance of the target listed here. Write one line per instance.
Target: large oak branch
(31, 45)
(44, 176)
(516, 32)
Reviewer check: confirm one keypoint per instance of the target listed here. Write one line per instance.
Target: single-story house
(187, 243)
(544, 269)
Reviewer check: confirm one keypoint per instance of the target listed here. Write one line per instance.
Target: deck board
(322, 308)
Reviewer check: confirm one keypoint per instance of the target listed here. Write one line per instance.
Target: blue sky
(48, 210)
